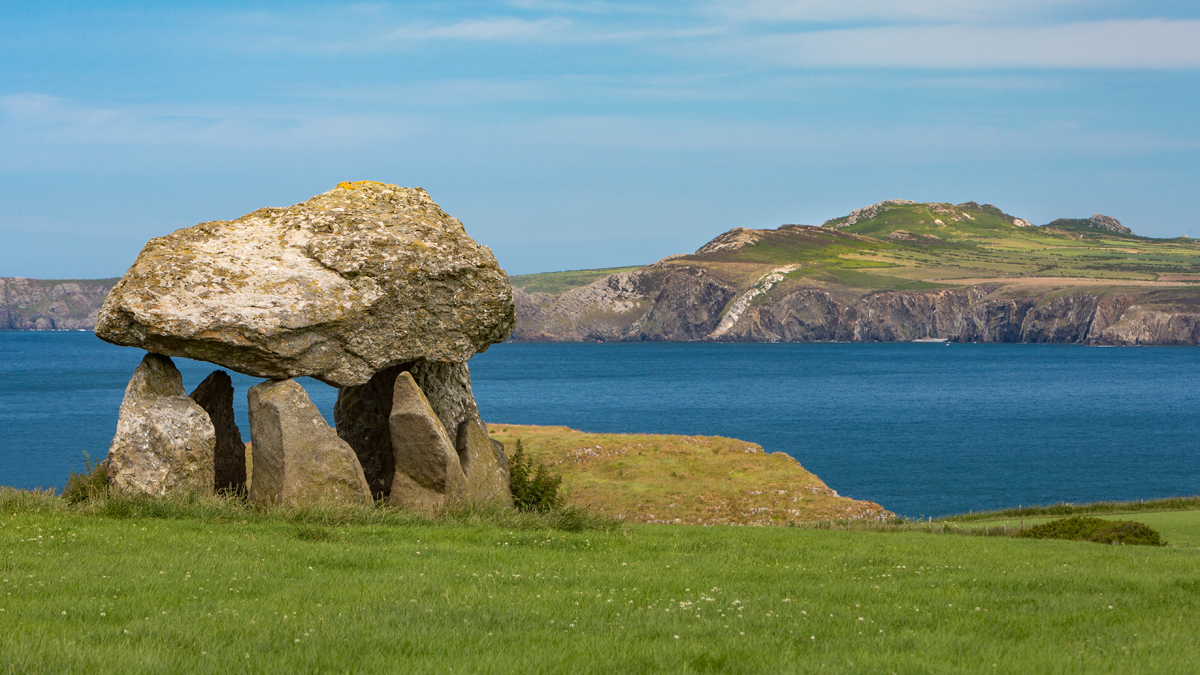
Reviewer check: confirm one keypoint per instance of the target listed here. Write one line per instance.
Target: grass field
(215, 586)
(1178, 528)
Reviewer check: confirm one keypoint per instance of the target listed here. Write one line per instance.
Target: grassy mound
(1086, 528)
(693, 480)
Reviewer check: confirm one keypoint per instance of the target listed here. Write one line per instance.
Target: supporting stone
(361, 417)
(485, 464)
(428, 474)
(298, 459)
(447, 386)
(164, 441)
(215, 395)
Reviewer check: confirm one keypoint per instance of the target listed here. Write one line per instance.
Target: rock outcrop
(794, 312)
(215, 396)
(164, 441)
(51, 304)
(342, 286)
(1096, 222)
(298, 459)
(428, 473)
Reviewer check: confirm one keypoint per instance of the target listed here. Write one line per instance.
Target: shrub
(89, 485)
(1086, 528)
(533, 488)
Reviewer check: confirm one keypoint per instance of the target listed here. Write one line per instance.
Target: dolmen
(370, 288)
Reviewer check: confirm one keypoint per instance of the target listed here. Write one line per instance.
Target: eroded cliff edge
(689, 304)
(51, 304)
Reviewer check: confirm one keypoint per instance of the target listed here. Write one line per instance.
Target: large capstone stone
(215, 395)
(428, 473)
(297, 458)
(165, 440)
(340, 287)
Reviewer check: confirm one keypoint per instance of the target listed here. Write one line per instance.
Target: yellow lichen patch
(353, 185)
(702, 480)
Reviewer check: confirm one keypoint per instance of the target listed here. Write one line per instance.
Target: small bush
(89, 485)
(533, 488)
(1084, 528)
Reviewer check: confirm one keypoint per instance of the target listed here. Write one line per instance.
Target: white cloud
(495, 29)
(1137, 44)
(890, 10)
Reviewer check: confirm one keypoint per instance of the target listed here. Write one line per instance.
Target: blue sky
(588, 134)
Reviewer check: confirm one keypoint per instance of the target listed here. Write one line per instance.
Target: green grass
(217, 587)
(1178, 528)
(1093, 508)
(559, 282)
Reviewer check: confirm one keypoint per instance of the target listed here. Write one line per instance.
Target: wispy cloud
(39, 120)
(941, 11)
(493, 29)
(1137, 44)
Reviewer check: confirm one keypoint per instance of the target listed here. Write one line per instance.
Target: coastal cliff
(893, 272)
(684, 312)
(51, 304)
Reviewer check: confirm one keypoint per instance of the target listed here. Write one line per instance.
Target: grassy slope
(981, 244)
(198, 593)
(558, 282)
(681, 479)
(1180, 528)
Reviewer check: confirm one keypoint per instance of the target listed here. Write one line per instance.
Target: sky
(570, 135)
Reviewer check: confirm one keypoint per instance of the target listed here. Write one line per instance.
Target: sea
(926, 430)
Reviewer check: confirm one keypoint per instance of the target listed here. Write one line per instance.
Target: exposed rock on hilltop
(348, 283)
(1096, 222)
(51, 304)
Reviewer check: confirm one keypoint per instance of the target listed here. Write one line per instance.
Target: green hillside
(558, 282)
(925, 245)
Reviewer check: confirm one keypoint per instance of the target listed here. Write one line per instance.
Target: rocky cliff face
(687, 303)
(51, 304)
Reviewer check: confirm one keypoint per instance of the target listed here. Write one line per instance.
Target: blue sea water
(924, 429)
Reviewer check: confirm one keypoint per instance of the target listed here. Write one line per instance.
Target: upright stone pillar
(361, 417)
(428, 473)
(298, 459)
(215, 395)
(165, 440)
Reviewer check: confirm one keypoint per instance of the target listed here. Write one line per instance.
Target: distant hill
(893, 271)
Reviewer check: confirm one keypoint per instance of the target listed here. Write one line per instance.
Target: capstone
(340, 287)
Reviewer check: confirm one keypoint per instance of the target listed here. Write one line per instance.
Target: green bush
(89, 485)
(1085, 528)
(533, 488)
